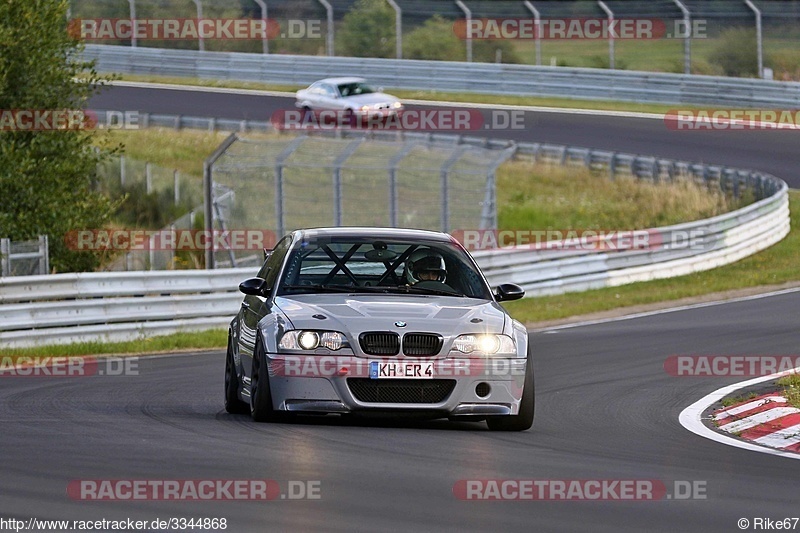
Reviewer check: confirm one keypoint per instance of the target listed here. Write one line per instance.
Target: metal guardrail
(488, 78)
(114, 306)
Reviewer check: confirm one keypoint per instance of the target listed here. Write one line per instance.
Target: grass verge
(791, 389)
(200, 340)
(775, 265)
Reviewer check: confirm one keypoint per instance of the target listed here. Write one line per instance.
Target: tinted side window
(273, 263)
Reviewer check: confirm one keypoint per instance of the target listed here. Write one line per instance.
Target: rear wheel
(232, 402)
(260, 395)
(524, 419)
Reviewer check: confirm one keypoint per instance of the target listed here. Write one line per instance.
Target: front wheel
(260, 395)
(232, 402)
(524, 419)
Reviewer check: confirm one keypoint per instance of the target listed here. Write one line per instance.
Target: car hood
(370, 99)
(355, 314)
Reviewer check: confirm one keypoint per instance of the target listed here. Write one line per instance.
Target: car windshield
(354, 89)
(366, 265)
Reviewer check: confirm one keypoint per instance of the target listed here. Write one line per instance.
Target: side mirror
(254, 287)
(509, 291)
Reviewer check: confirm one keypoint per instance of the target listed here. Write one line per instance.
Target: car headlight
(484, 344)
(306, 340)
(364, 108)
(397, 105)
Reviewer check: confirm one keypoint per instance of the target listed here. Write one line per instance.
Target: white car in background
(352, 97)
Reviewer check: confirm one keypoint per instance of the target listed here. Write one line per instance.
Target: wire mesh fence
(290, 182)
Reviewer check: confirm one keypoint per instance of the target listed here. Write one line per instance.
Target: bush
(368, 30)
(736, 52)
(436, 40)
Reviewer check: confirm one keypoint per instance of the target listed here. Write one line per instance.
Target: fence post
(329, 41)
(445, 181)
(759, 37)
(294, 145)
(148, 178)
(468, 15)
(537, 19)
(201, 45)
(687, 40)
(337, 178)
(122, 170)
(5, 257)
(610, 14)
(176, 183)
(133, 17)
(208, 192)
(263, 5)
(44, 255)
(398, 28)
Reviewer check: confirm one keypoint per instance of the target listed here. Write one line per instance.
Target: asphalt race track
(606, 409)
(773, 151)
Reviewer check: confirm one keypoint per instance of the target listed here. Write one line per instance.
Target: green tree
(46, 177)
(368, 30)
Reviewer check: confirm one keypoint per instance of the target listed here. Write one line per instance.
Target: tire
(260, 395)
(232, 402)
(524, 419)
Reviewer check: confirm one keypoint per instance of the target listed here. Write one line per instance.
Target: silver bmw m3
(376, 320)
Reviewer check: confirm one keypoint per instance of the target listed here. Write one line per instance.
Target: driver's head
(425, 265)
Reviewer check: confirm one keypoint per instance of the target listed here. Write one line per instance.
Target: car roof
(379, 233)
(338, 81)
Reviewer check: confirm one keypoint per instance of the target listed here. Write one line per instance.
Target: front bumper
(319, 384)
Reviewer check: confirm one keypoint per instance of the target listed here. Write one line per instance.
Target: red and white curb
(766, 423)
(766, 420)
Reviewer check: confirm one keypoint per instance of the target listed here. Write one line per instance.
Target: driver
(425, 265)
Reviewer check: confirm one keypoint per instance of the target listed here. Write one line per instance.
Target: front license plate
(400, 370)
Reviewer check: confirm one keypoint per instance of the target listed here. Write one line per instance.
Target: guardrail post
(759, 37)
(122, 170)
(610, 15)
(537, 20)
(612, 166)
(468, 15)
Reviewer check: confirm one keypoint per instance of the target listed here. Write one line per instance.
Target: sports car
(384, 321)
(348, 96)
